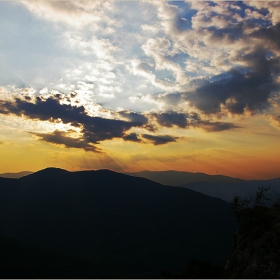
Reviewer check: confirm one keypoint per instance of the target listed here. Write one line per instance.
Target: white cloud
(93, 47)
(153, 29)
(73, 13)
(125, 54)
(254, 15)
(168, 15)
(158, 49)
(273, 8)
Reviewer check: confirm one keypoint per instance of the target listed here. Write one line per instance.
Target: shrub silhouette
(252, 212)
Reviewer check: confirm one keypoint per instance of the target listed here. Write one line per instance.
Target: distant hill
(176, 178)
(227, 191)
(15, 175)
(132, 225)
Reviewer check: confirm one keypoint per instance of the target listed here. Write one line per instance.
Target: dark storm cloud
(159, 139)
(216, 126)
(134, 117)
(98, 129)
(248, 90)
(172, 118)
(43, 109)
(192, 119)
(249, 87)
(131, 137)
(270, 35)
(61, 138)
(94, 129)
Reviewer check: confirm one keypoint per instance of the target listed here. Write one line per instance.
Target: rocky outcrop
(256, 251)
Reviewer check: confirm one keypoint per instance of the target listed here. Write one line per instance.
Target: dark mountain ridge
(21, 260)
(133, 225)
(176, 178)
(227, 191)
(15, 175)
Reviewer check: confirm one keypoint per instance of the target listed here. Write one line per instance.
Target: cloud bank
(135, 70)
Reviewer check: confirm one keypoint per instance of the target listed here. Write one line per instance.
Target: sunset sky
(141, 85)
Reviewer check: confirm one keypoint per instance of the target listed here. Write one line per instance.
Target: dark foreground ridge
(131, 226)
(256, 252)
(21, 260)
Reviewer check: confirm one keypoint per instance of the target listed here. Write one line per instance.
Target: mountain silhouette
(48, 175)
(227, 191)
(21, 260)
(15, 175)
(176, 178)
(133, 225)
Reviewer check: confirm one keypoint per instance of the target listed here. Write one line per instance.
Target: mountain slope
(176, 178)
(128, 223)
(15, 175)
(21, 260)
(227, 191)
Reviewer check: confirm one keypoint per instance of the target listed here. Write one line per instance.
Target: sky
(141, 85)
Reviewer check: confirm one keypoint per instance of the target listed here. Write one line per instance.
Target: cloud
(131, 137)
(99, 129)
(275, 121)
(241, 91)
(159, 139)
(146, 70)
(273, 8)
(93, 46)
(93, 129)
(270, 36)
(150, 67)
(159, 49)
(61, 138)
(254, 15)
(133, 117)
(169, 119)
(216, 126)
(72, 13)
(193, 119)
(43, 109)
(170, 19)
